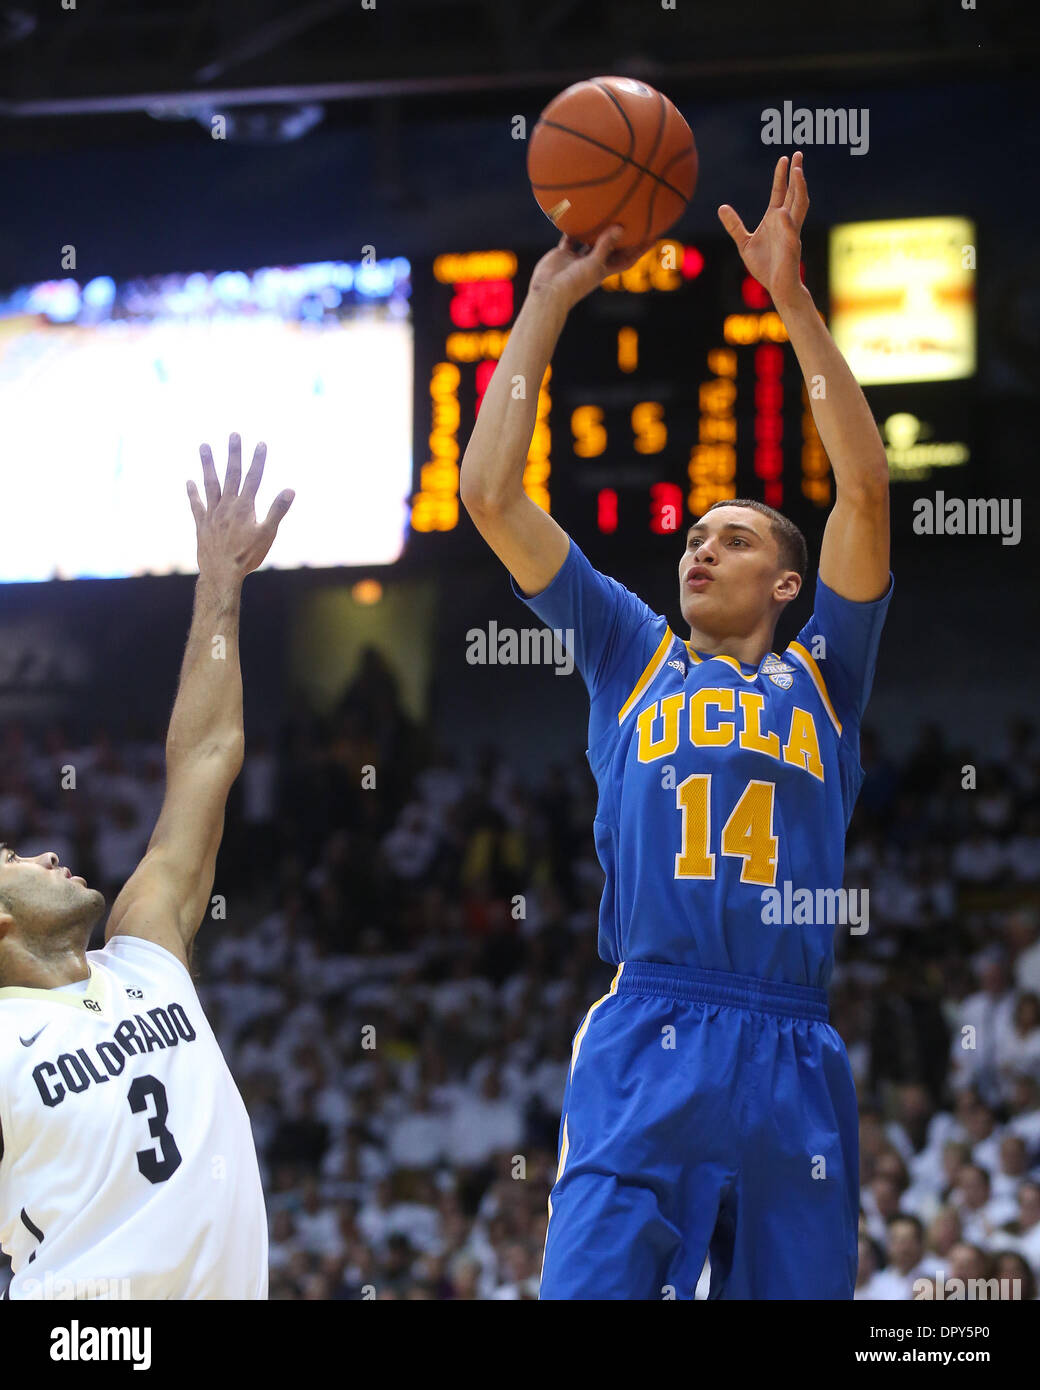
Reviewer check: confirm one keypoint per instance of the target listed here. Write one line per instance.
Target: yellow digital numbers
(590, 437)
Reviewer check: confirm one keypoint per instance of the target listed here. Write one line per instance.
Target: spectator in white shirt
(1019, 1048)
(417, 1217)
(283, 1244)
(374, 1217)
(119, 844)
(420, 1137)
(242, 1000)
(519, 1274)
(1014, 1167)
(983, 1022)
(871, 1259)
(484, 1125)
(1017, 1280)
(979, 859)
(1023, 852)
(944, 1233)
(1024, 1105)
(984, 1134)
(905, 1252)
(1023, 1234)
(971, 1198)
(880, 1202)
(410, 846)
(317, 1222)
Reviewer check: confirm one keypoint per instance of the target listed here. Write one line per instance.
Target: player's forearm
(843, 418)
(207, 714)
(495, 458)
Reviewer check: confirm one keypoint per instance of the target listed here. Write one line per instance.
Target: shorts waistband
(720, 987)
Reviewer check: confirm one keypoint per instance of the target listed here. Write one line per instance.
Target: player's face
(730, 574)
(45, 897)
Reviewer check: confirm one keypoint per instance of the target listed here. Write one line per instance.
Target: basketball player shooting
(127, 1163)
(709, 1105)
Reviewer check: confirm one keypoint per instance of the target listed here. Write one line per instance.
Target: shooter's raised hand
(573, 269)
(772, 253)
(231, 540)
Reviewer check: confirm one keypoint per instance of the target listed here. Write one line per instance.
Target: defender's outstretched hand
(230, 537)
(574, 269)
(773, 252)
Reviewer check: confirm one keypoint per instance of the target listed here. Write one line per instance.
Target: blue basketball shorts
(705, 1114)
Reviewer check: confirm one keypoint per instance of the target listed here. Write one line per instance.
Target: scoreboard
(673, 386)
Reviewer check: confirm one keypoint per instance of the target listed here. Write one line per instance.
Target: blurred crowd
(398, 960)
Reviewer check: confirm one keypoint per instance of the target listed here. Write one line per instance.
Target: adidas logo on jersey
(680, 666)
(135, 993)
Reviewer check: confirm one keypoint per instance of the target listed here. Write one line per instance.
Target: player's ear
(788, 586)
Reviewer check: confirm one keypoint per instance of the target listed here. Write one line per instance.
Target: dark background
(106, 145)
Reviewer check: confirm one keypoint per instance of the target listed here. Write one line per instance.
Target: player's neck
(750, 649)
(43, 966)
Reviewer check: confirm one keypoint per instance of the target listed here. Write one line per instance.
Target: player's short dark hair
(794, 553)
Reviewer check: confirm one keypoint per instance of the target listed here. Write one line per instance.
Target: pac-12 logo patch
(135, 993)
(780, 673)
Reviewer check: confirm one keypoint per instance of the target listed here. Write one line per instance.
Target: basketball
(612, 150)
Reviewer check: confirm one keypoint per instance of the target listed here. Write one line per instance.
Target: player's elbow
(222, 753)
(479, 497)
(868, 490)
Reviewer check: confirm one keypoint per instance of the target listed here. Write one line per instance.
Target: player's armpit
(854, 556)
(526, 539)
(166, 897)
(148, 907)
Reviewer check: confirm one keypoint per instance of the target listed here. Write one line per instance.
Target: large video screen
(107, 391)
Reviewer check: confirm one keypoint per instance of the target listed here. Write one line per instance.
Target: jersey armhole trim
(649, 675)
(152, 945)
(807, 661)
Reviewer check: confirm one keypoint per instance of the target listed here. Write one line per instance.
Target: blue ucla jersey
(724, 789)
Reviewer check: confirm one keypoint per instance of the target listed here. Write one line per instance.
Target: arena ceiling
(126, 71)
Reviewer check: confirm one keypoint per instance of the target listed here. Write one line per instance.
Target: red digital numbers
(485, 371)
(606, 510)
(478, 303)
(666, 508)
(769, 420)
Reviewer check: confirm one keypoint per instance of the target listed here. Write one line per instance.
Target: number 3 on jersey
(153, 1167)
(747, 834)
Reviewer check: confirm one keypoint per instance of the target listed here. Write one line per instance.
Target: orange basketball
(612, 150)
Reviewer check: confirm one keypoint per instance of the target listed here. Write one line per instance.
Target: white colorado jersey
(128, 1167)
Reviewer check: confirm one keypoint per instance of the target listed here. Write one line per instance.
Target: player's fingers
(198, 510)
(733, 224)
(779, 193)
(209, 476)
(279, 507)
(798, 198)
(605, 244)
(627, 257)
(234, 465)
(256, 472)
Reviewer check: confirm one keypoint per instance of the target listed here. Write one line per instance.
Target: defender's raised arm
(524, 537)
(165, 899)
